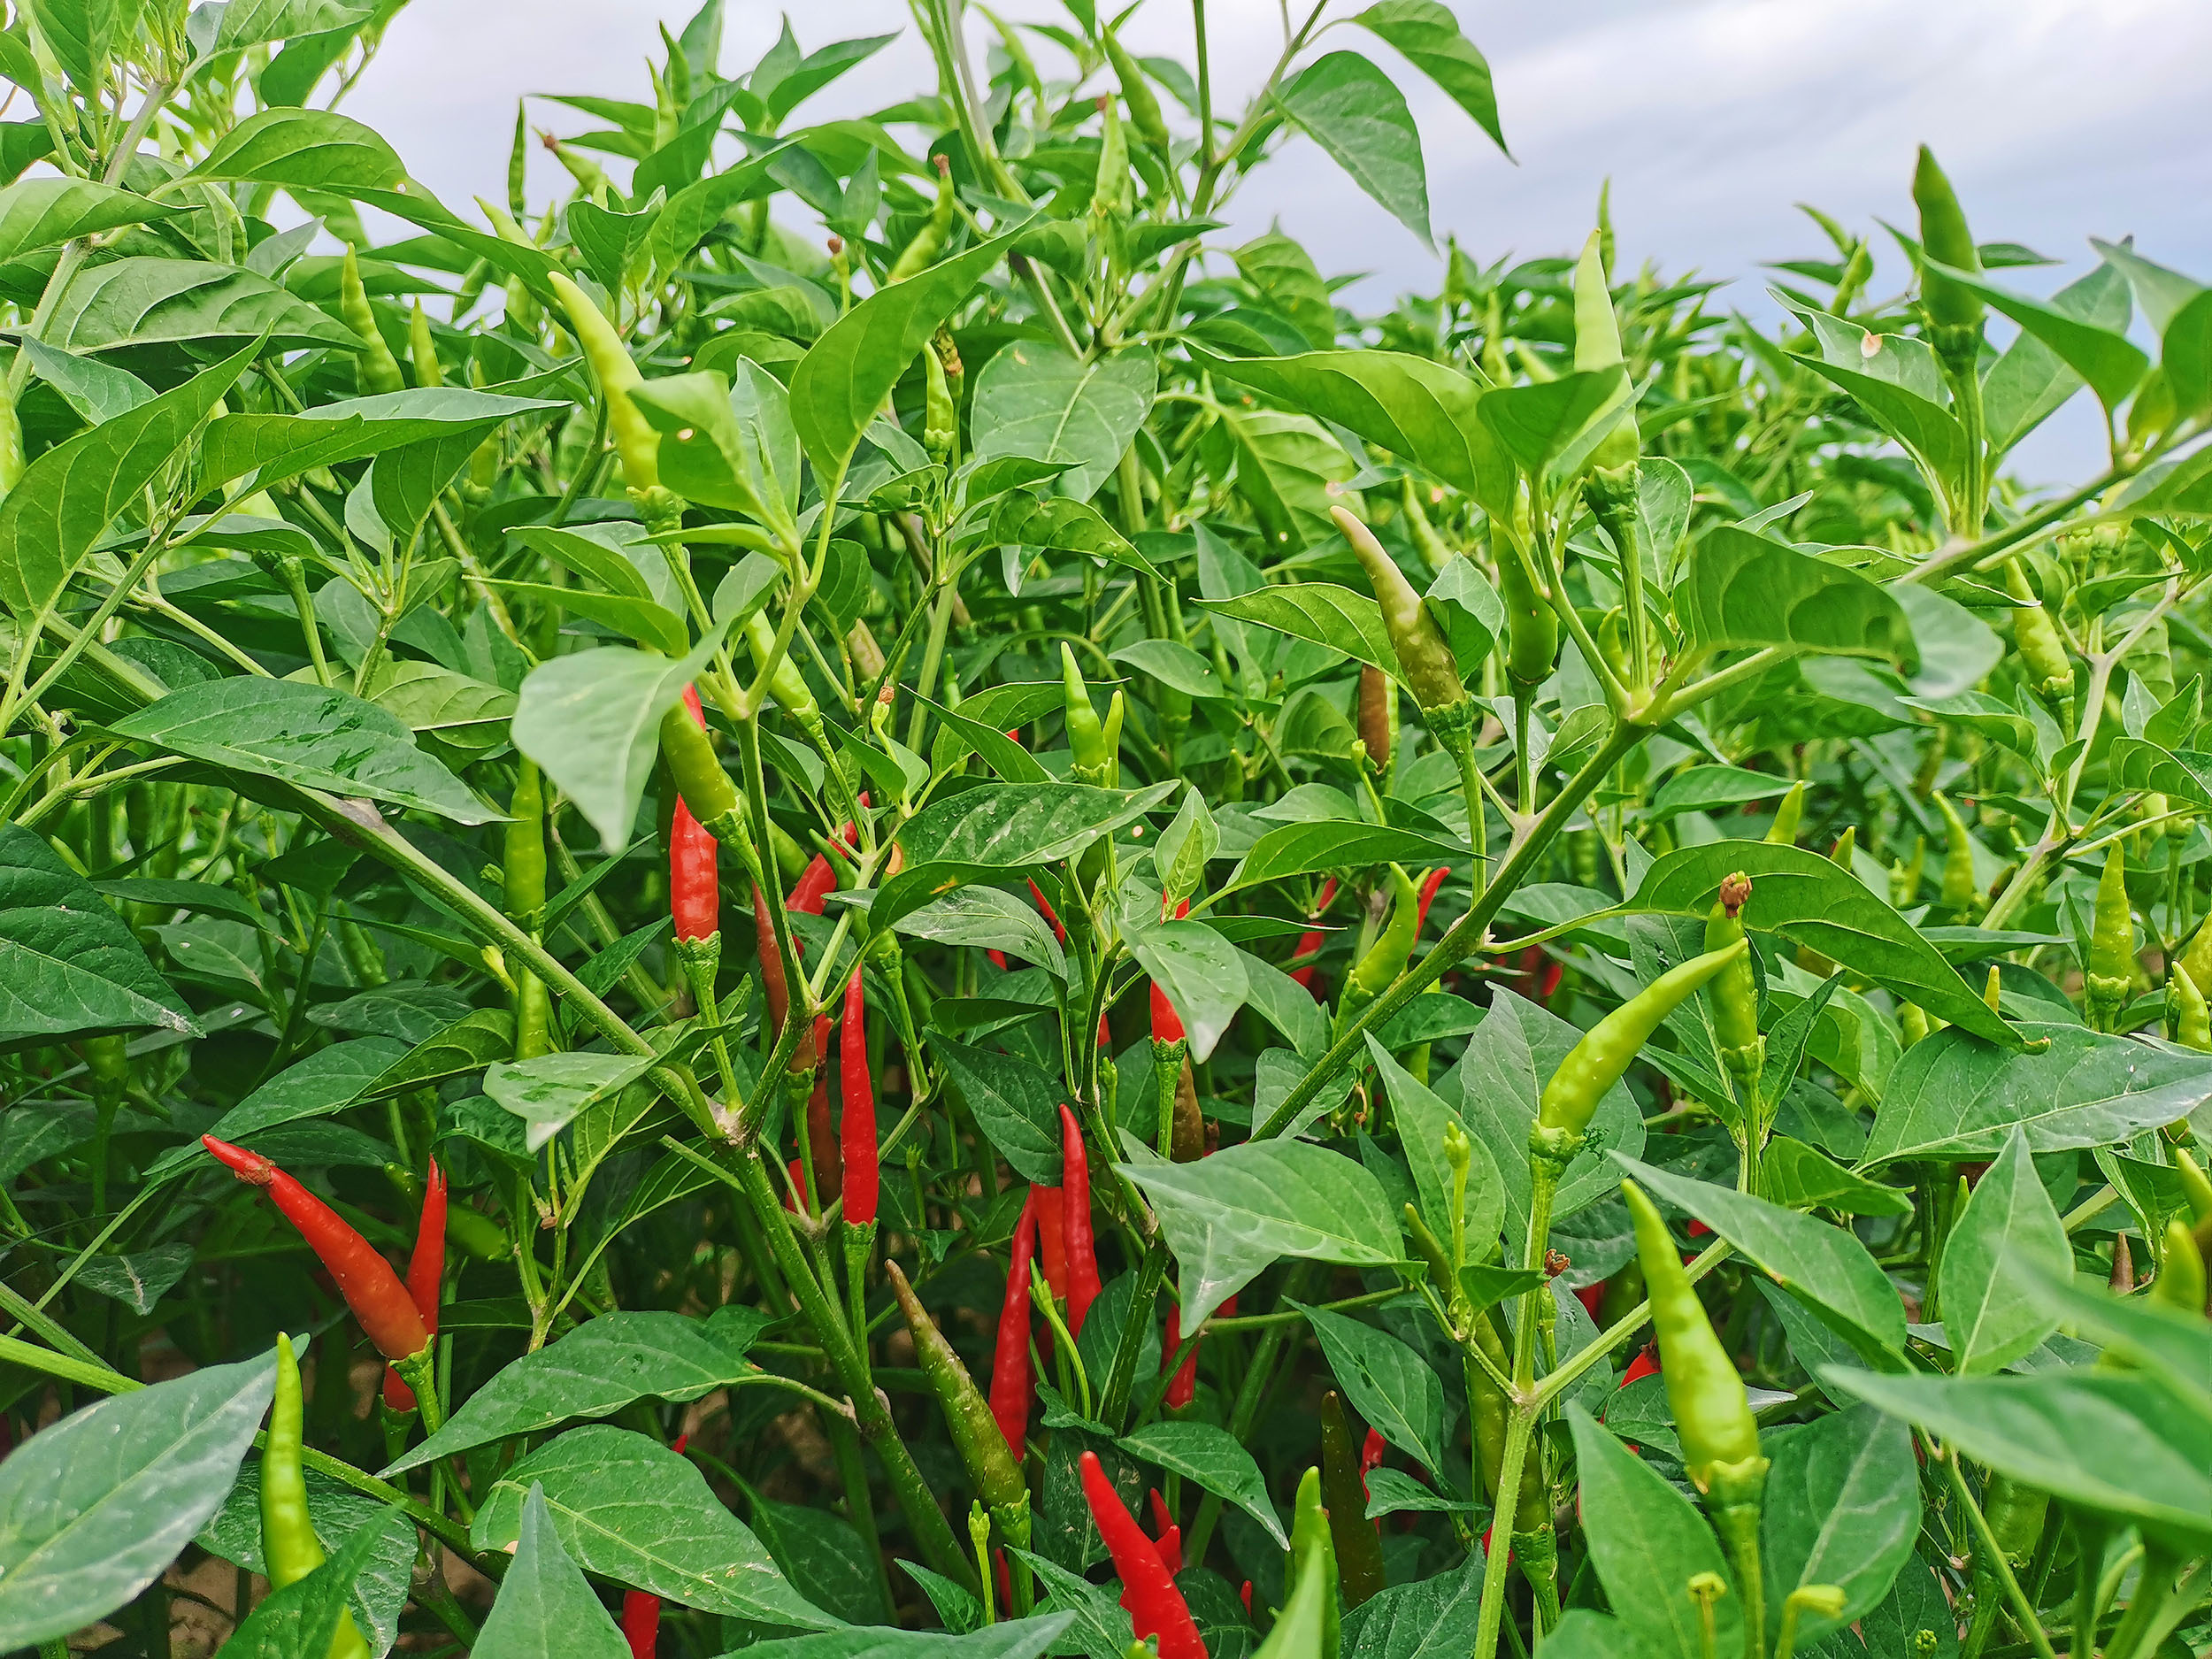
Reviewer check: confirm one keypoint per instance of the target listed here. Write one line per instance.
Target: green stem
(1991, 1550)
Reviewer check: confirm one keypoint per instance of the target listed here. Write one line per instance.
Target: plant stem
(1988, 1545)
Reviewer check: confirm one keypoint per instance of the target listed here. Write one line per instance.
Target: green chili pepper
(1598, 346)
(1945, 239)
(1959, 891)
(2180, 1284)
(1386, 958)
(786, 685)
(1094, 747)
(1311, 1600)
(11, 461)
(2050, 670)
(939, 418)
(1378, 719)
(1532, 625)
(700, 780)
(1435, 548)
(378, 368)
(2111, 970)
(1424, 659)
(975, 1431)
(2196, 1187)
(1735, 988)
(929, 241)
(1359, 1560)
(637, 443)
(288, 1544)
(2015, 1514)
(1788, 817)
(1904, 875)
(1596, 1063)
(1110, 196)
(1712, 1413)
(1136, 92)
(422, 349)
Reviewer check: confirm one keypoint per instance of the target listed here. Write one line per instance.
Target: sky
(2056, 121)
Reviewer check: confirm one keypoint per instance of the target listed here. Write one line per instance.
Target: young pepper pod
(1386, 958)
(1136, 92)
(929, 241)
(1094, 744)
(698, 775)
(983, 1451)
(1959, 891)
(1424, 659)
(1156, 1606)
(1434, 550)
(289, 1548)
(2110, 972)
(1945, 239)
(1788, 817)
(422, 349)
(1735, 988)
(377, 367)
(388, 1314)
(1595, 1063)
(637, 442)
(1532, 625)
(2043, 653)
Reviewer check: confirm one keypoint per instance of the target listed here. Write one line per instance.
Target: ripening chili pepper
(1712, 1413)
(377, 368)
(1424, 659)
(425, 1277)
(378, 1300)
(1783, 831)
(1169, 1541)
(983, 1451)
(640, 1609)
(1735, 988)
(1377, 718)
(2110, 969)
(1156, 1606)
(1952, 308)
(1167, 1024)
(637, 443)
(2050, 670)
(862, 1174)
(1431, 886)
(1596, 1063)
(1081, 1251)
(1052, 1237)
(1012, 1388)
(929, 241)
(1386, 958)
(288, 1545)
(1959, 891)
(1359, 1563)
(1645, 1364)
(1045, 909)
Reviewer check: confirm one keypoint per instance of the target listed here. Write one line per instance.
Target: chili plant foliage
(808, 784)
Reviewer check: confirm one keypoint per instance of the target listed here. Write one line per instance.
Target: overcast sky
(2057, 120)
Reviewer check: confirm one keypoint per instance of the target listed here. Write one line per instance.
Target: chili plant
(809, 776)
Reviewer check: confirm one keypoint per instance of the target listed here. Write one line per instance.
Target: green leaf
(1953, 1097)
(550, 1092)
(1427, 34)
(1201, 974)
(1035, 399)
(1826, 1266)
(1395, 1390)
(1422, 412)
(545, 1608)
(66, 498)
(601, 1367)
(69, 965)
(37, 213)
(1226, 1218)
(1745, 590)
(2004, 1242)
(1016, 1104)
(2122, 1446)
(1292, 849)
(144, 301)
(2186, 355)
(627, 1507)
(1896, 403)
(1842, 1507)
(1059, 524)
(1811, 902)
(2169, 1340)
(94, 1509)
(1422, 1121)
(279, 447)
(316, 149)
(1009, 1639)
(592, 720)
(320, 1085)
(1799, 1177)
(1321, 612)
(1541, 423)
(989, 918)
(467, 1046)
(1704, 788)
(307, 735)
(1213, 1459)
(841, 383)
(1646, 1543)
(302, 1618)
(2107, 358)
(1356, 112)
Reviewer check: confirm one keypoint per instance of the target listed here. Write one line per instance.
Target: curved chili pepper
(1136, 92)
(976, 1437)
(1645, 1364)
(862, 1174)
(2196, 1185)
(929, 241)
(1156, 1606)
(426, 1277)
(2192, 1016)
(380, 1301)
(1012, 1389)
(1359, 1563)
(1431, 886)
(1081, 1248)
(1045, 909)
(2180, 1283)
(1424, 659)
(700, 781)
(288, 1545)
(636, 442)
(1310, 941)
(2110, 969)
(640, 1609)
(1596, 1063)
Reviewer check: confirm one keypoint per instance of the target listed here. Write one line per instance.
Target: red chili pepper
(1590, 1296)
(1370, 1456)
(1170, 1540)
(641, 1609)
(1011, 1389)
(796, 1170)
(815, 884)
(426, 1277)
(1554, 971)
(1245, 1597)
(1156, 1606)
(1052, 1236)
(1167, 1025)
(1645, 1364)
(380, 1301)
(1075, 1221)
(998, 959)
(695, 887)
(1429, 889)
(821, 1132)
(771, 983)
(1310, 941)
(1044, 909)
(1182, 1387)
(864, 1175)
